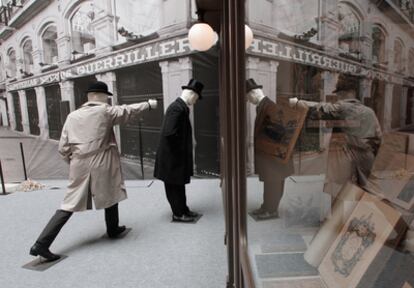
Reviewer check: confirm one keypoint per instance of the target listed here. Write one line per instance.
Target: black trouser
(177, 199)
(60, 218)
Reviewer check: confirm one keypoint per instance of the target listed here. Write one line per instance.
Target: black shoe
(192, 214)
(184, 218)
(118, 231)
(38, 250)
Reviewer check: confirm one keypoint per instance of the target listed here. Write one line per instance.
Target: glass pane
(329, 138)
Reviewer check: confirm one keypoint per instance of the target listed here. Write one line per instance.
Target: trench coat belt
(92, 153)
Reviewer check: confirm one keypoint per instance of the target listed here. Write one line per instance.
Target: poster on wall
(278, 129)
(364, 240)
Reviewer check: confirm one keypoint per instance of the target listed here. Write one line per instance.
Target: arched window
(50, 49)
(27, 56)
(349, 30)
(2, 69)
(83, 38)
(139, 17)
(11, 67)
(378, 45)
(411, 62)
(398, 55)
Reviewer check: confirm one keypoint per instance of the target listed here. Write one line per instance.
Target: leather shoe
(258, 211)
(267, 215)
(39, 250)
(192, 214)
(184, 218)
(118, 231)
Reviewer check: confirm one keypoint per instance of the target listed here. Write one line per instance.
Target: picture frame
(365, 241)
(279, 128)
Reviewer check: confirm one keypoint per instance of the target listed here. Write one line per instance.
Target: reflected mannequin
(270, 171)
(174, 160)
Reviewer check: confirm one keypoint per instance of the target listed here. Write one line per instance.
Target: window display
(344, 211)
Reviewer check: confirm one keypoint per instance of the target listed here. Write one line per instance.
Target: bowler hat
(345, 83)
(98, 86)
(194, 85)
(251, 84)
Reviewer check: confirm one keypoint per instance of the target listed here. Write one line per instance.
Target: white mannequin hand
(153, 103)
(293, 101)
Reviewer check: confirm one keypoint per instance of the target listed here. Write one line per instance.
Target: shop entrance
(206, 115)
(139, 138)
(53, 98)
(33, 112)
(17, 111)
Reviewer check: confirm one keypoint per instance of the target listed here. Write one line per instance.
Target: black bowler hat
(98, 86)
(251, 84)
(196, 86)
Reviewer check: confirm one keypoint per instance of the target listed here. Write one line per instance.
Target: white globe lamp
(248, 36)
(201, 37)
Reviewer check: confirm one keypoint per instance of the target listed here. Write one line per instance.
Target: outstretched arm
(121, 114)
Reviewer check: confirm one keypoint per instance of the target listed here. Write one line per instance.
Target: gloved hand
(293, 101)
(153, 103)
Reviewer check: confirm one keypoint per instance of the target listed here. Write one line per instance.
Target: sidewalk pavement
(155, 254)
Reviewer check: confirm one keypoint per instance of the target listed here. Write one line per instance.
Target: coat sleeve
(121, 114)
(171, 122)
(64, 146)
(324, 111)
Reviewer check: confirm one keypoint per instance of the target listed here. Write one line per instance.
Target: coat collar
(182, 104)
(93, 103)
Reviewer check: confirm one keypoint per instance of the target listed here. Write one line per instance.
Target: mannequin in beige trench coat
(88, 144)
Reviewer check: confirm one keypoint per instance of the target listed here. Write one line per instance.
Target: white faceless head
(189, 96)
(98, 97)
(254, 96)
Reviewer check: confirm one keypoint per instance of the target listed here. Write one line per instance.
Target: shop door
(53, 98)
(139, 139)
(33, 112)
(17, 111)
(206, 115)
(80, 87)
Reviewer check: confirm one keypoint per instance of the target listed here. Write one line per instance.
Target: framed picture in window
(277, 129)
(366, 240)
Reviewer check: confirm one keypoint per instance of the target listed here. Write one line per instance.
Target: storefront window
(27, 57)
(83, 37)
(330, 194)
(50, 50)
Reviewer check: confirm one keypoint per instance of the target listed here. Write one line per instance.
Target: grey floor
(156, 253)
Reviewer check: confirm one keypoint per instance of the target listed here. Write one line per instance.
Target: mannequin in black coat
(174, 160)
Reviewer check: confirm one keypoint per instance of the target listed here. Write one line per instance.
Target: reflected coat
(88, 144)
(174, 160)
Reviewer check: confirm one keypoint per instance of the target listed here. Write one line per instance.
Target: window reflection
(83, 37)
(50, 49)
(332, 207)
